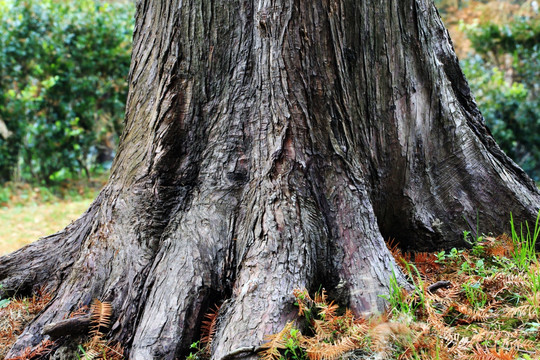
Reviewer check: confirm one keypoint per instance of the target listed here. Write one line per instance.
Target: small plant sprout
(524, 243)
(475, 294)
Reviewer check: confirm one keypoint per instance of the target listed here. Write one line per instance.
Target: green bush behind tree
(63, 70)
(503, 73)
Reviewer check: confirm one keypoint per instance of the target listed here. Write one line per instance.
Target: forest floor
(477, 303)
(24, 224)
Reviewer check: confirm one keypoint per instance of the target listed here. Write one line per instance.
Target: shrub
(62, 85)
(503, 74)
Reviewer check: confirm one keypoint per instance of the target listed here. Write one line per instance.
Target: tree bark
(270, 146)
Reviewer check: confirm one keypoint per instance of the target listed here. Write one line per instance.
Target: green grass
(22, 225)
(28, 213)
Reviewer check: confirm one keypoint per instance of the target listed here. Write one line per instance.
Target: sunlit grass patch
(22, 225)
(30, 212)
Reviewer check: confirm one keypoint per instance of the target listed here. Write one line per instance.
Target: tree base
(254, 165)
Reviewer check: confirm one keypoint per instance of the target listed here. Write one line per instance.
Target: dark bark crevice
(70, 327)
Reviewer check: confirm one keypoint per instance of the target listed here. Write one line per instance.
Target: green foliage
(400, 300)
(196, 352)
(5, 194)
(84, 355)
(489, 306)
(397, 297)
(452, 257)
(445, 5)
(62, 85)
(477, 268)
(3, 302)
(524, 252)
(474, 293)
(503, 74)
(533, 296)
(477, 247)
(329, 332)
(293, 349)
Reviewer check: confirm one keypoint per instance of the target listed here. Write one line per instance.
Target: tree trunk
(271, 146)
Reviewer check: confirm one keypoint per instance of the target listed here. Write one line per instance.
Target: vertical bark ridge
(343, 239)
(278, 251)
(477, 174)
(196, 244)
(195, 252)
(118, 252)
(356, 241)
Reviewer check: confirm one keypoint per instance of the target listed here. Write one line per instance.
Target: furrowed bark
(270, 147)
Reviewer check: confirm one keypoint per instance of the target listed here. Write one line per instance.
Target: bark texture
(268, 146)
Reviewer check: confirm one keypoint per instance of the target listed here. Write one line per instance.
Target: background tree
(270, 147)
